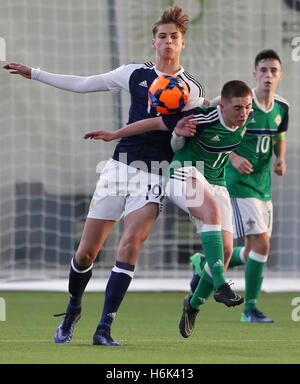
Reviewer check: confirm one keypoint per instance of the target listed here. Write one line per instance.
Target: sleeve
(114, 81)
(283, 127)
(170, 121)
(177, 142)
(279, 136)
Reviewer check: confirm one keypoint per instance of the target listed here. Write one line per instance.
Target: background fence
(47, 170)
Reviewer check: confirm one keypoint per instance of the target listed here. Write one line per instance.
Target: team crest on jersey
(277, 120)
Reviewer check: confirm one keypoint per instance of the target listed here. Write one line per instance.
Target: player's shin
(254, 278)
(203, 290)
(212, 244)
(78, 280)
(116, 288)
(237, 257)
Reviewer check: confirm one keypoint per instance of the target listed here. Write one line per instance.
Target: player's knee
(265, 248)
(85, 257)
(210, 214)
(261, 244)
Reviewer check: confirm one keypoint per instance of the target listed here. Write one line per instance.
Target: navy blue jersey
(153, 145)
(136, 79)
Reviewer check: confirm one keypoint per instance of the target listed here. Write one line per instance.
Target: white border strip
(148, 285)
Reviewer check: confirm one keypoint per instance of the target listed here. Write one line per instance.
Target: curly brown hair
(173, 15)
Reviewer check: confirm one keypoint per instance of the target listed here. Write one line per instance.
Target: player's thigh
(111, 192)
(137, 227)
(94, 234)
(176, 190)
(251, 217)
(221, 195)
(143, 189)
(201, 203)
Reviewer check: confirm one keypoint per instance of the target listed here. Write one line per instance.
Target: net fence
(48, 172)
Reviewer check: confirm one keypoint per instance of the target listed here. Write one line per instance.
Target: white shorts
(252, 216)
(122, 189)
(176, 191)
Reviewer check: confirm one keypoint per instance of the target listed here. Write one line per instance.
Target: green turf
(147, 324)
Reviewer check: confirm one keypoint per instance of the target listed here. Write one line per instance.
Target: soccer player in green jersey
(200, 191)
(248, 177)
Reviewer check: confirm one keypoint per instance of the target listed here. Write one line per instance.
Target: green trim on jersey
(210, 147)
(257, 147)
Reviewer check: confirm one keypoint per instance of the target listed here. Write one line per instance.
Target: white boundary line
(130, 342)
(151, 285)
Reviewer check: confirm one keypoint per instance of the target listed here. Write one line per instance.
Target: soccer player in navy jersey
(133, 157)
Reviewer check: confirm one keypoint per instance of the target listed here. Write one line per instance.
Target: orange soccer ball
(168, 94)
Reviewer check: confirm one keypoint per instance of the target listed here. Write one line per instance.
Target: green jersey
(210, 147)
(257, 148)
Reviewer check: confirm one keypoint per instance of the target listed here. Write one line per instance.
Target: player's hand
(241, 164)
(279, 167)
(18, 69)
(185, 127)
(100, 135)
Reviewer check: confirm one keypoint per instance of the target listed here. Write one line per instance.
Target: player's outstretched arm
(141, 126)
(78, 84)
(183, 128)
(19, 69)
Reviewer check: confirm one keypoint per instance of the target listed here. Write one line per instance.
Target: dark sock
(116, 289)
(78, 280)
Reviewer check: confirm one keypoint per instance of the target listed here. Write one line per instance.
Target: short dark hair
(235, 88)
(172, 15)
(265, 55)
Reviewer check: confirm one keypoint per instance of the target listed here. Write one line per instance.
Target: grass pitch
(147, 325)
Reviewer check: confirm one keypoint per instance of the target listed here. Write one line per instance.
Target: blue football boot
(64, 332)
(255, 316)
(102, 337)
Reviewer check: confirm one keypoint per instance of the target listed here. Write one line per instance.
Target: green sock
(253, 278)
(235, 260)
(203, 291)
(212, 244)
